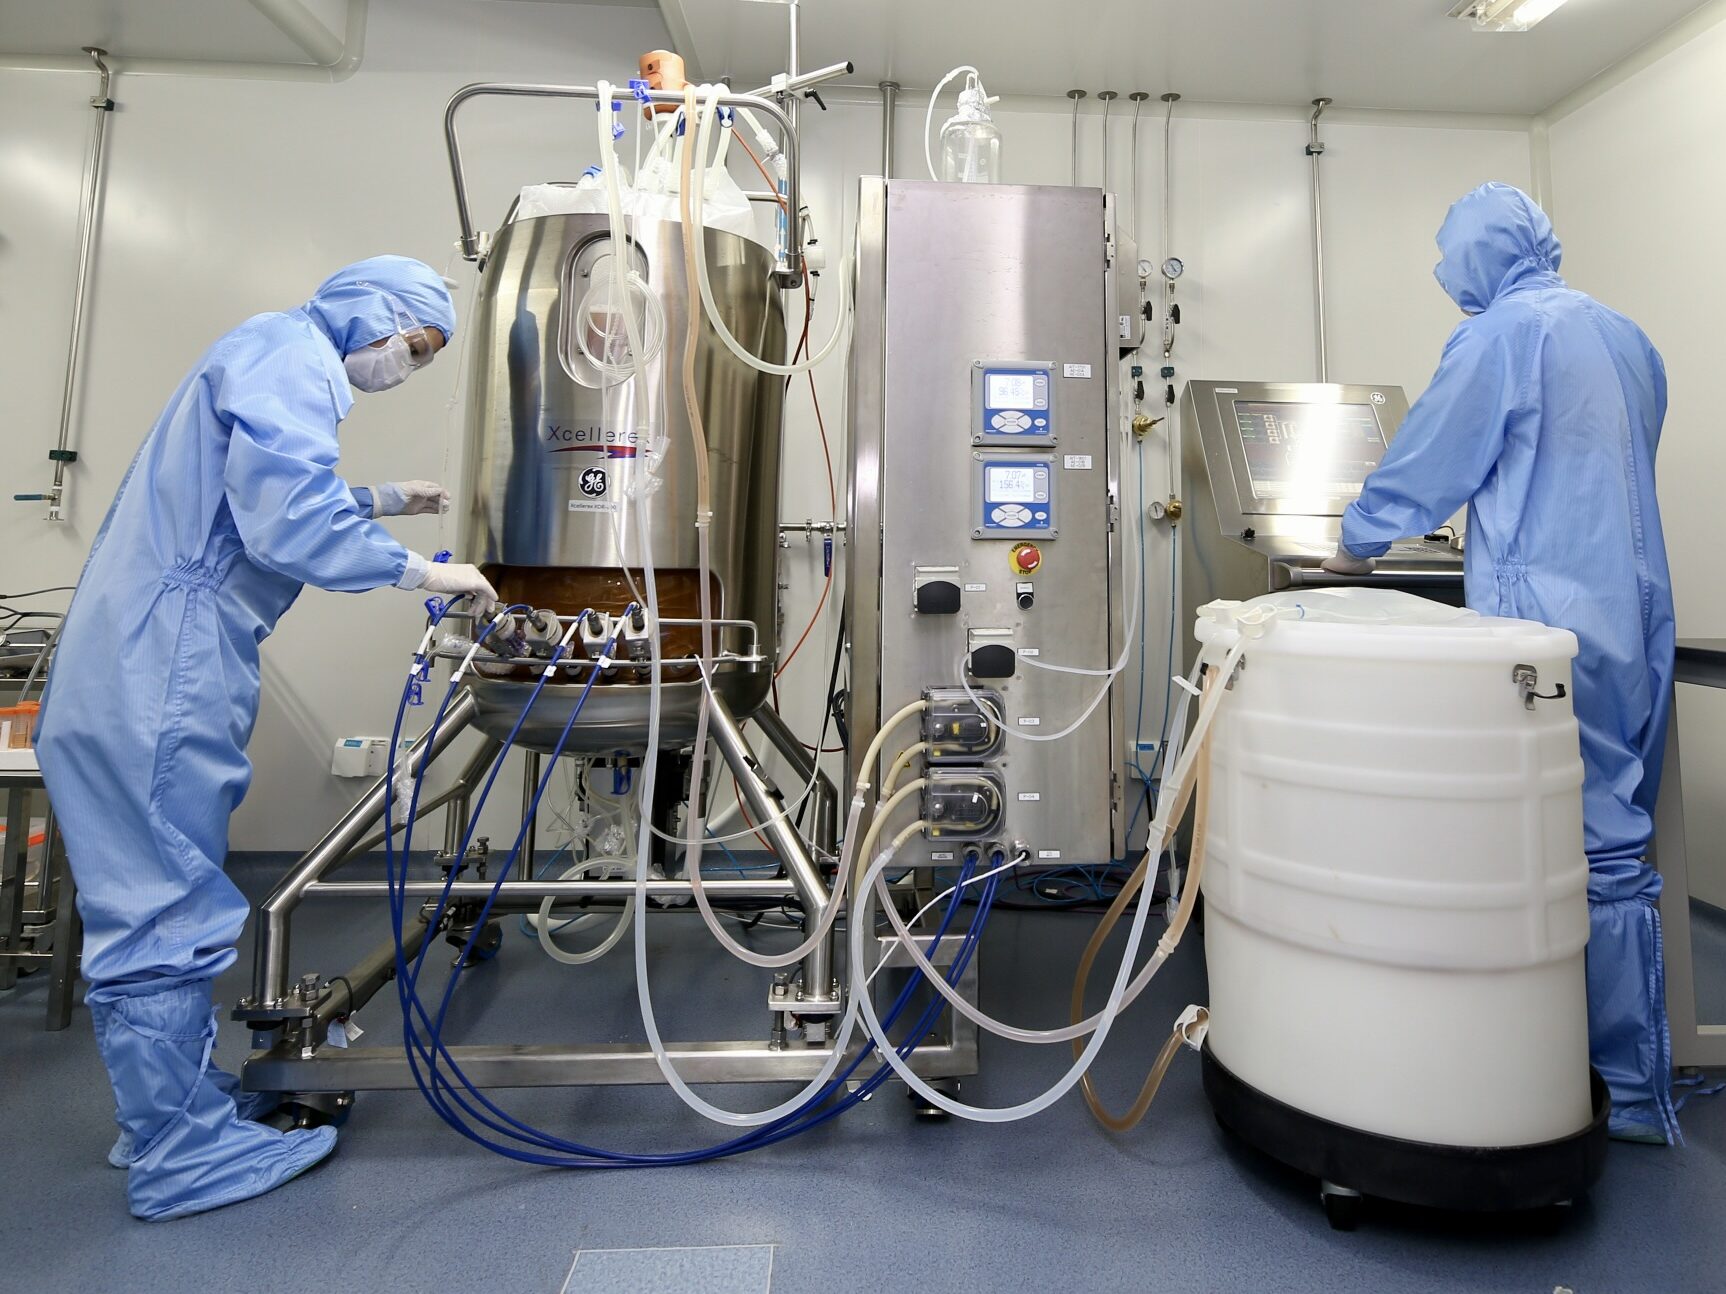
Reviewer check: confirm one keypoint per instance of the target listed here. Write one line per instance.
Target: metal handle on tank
(1527, 680)
(788, 275)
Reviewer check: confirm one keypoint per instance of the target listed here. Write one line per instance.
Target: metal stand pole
(12, 869)
(529, 785)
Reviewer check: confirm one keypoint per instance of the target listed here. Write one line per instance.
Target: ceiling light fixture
(1504, 15)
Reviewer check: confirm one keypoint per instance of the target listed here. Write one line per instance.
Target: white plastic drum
(1395, 892)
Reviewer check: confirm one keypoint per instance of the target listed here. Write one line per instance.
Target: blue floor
(871, 1201)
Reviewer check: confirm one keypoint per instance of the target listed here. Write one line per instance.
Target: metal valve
(595, 633)
(637, 643)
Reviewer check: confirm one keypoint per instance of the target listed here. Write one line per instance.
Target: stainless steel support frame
(536, 891)
(788, 274)
(339, 1069)
(270, 958)
(293, 1055)
(824, 826)
(768, 806)
(530, 761)
(287, 1067)
(39, 923)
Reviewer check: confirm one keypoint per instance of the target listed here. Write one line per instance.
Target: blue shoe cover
(250, 1105)
(195, 1151)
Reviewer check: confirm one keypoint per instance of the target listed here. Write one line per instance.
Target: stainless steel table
(1695, 1045)
(38, 919)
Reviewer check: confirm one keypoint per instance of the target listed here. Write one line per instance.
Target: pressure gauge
(1145, 269)
(1173, 269)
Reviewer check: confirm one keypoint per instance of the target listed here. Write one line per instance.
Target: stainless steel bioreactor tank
(553, 455)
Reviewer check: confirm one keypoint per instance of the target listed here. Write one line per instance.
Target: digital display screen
(1012, 484)
(1308, 451)
(1010, 390)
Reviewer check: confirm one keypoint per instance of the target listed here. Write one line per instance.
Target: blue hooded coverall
(1544, 417)
(231, 505)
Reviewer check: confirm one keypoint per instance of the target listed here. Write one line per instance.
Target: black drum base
(1350, 1163)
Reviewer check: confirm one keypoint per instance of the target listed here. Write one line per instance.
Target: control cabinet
(983, 518)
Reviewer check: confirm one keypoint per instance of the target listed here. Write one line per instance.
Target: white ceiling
(218, 31)
(1400, 54)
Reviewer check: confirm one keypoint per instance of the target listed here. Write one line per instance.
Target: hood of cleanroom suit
(353, 311)
(232, 503)
(1543, 419)
(1491, 240)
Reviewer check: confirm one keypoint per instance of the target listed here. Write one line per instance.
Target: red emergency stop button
(1027, 558)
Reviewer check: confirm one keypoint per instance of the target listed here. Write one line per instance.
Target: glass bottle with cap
(970, 141)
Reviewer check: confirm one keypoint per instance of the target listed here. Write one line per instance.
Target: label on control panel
(1048, 853)
(1077, 462)
(1075, 370)
(976, 588)
(1030, 651)
(1030, 721)
(940, 855)
(1030, 797)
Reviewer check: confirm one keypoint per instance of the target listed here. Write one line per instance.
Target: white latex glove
(1343, 562)
(409, 499)
(454, 578)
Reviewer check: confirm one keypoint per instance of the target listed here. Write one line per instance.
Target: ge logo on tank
(593, 483)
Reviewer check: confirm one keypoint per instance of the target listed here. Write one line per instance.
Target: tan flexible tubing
(905, 760)
(866, 854)
(1198, 792)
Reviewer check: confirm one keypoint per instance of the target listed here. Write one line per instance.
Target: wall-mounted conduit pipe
(1314, 151)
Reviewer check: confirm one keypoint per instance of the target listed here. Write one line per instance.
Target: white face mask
(378, 368)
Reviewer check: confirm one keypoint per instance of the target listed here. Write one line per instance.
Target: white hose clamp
(1194, 1023)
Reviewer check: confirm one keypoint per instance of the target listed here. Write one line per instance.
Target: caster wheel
(486, 947)
(925, 1111)
(1341, 1206)
(1554, 1217)
(312, 1110)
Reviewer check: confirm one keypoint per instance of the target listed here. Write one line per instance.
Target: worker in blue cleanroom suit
(231, 505)
(1543, 418)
